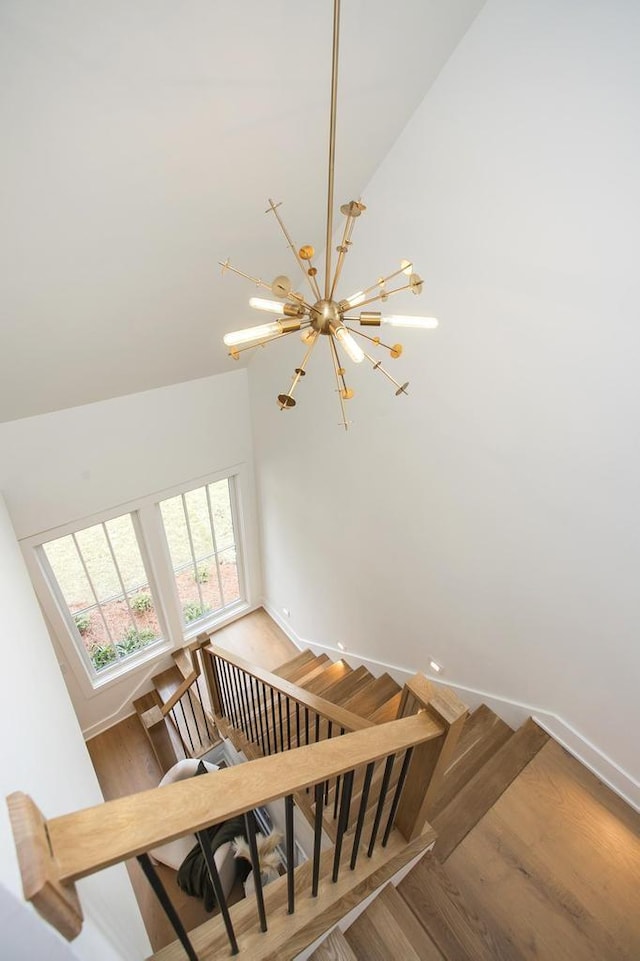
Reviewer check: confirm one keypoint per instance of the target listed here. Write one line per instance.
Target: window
(103, 589)
(200, 532)
(127, 585)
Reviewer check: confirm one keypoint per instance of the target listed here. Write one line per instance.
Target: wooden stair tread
(388, 929)
(313, 670)
(483, 735)
(388, 711)
(288, 667)
(339, 692)
(335, 947)
(372, 697)
(167, 683)
(303, 669)
(482, 791)
(456, 928)
(331, 675)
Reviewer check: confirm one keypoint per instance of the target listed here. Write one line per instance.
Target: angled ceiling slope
(141, 141)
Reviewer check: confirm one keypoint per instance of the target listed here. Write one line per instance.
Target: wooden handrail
(171, 702)
(338, 716)
(95, 838)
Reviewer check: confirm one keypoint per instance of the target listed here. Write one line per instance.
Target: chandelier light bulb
(273, 306)
(245, 336)
(420, 323)
(356, 299)
(345, 340)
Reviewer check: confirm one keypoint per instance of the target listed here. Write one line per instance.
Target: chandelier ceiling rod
(332, 144)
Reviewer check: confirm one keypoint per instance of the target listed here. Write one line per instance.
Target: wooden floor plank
(460, 932)
(257, 638)
(557, 863)
(483, 735)
(484, 789)
(335, 947)
(388, 929)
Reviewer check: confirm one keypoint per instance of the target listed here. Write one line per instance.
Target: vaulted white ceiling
(141, 140)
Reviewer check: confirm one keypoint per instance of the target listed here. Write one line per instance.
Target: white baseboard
(513, 713)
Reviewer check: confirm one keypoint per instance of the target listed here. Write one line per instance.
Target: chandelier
(321, 314)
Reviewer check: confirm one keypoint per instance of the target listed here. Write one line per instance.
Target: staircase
(491, 838)
(444, 909)
(174, 715)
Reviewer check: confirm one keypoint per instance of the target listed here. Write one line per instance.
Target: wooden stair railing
(53, 854)
(189, 731)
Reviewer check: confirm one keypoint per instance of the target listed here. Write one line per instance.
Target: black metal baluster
(195, 719)
(245, 704)
(172, 714)
(225, 688)
(288, 724)
(364, 798)
(306, 725)
(343, 822)
(232, 708)
(383, 794)
(234, 701)
(262, 738)
(297, 724)
(238, 694)
(250, 717)
(336, 799)
(317, 727)
(158, 889)
(204, 710)
(396, 797)
(273, 718)
(289, 841)
(280, 721)
(255, 864)
(205, 846)
(326, 783)
(266, 717)
(186, 724)
(218, 684)
(317, 841)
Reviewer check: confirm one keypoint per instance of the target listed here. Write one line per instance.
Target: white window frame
(154, 549)
(206, 624)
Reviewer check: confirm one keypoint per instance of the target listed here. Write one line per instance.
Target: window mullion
(93, 590)
(193, 553)
(124, 590)
(215, 545)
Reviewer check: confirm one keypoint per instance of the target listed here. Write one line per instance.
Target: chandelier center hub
(325, 314)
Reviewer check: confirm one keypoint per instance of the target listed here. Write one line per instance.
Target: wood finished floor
(125, 764)
(555, 864)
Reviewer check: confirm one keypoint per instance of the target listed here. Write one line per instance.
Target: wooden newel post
(206, 654)
(431, 759)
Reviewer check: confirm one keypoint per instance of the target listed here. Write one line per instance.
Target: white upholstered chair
(174, 853)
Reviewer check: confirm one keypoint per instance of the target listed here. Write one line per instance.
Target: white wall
(75, 463)
(43, 754)
(490, 519)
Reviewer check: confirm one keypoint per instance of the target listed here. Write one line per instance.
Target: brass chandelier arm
(383, 280)
(339, 376)
(383, 295)
(261, 283)
(344, 246)
(254, 280)
(273, 208)
(301, 370)
(401, 388)
(332, 143)
(360, 333)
